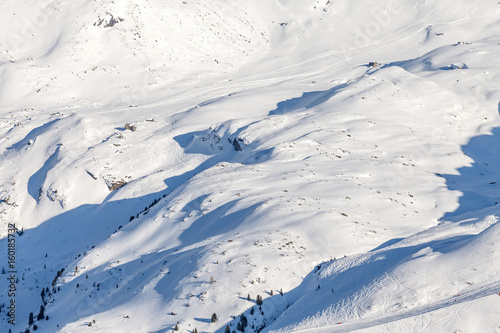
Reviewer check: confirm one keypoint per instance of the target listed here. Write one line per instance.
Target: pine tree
(30, 320)
(272, 293)
(281, 291)
(195, 330)
(243, 321)
(3, 270)
(227, 329)
(251, 311)
(35, 327)
(248, 297)
(259, 300)
(214, 318)
(176, 328)
(41, 314)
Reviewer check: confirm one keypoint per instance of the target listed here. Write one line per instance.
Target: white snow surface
(177, 157)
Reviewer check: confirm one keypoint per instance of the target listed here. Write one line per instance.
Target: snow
(262, 155)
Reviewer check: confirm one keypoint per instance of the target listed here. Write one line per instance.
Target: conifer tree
(41, 314)
(243, 321)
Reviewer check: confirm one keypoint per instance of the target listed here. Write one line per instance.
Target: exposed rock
(236, 144)
(108, 22)
(115, 184)
(131, 127)
(457, 66)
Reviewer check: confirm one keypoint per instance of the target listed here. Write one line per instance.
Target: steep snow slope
(394, 288)
(258, 145)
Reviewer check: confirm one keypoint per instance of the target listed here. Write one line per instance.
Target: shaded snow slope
(176, 157)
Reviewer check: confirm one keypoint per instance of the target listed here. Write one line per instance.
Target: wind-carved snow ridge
(263, 166)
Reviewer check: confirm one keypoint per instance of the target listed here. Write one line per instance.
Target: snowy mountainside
(58, 50)
(168, 160)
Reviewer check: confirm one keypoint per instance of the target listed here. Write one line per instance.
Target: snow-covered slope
(171, 160)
